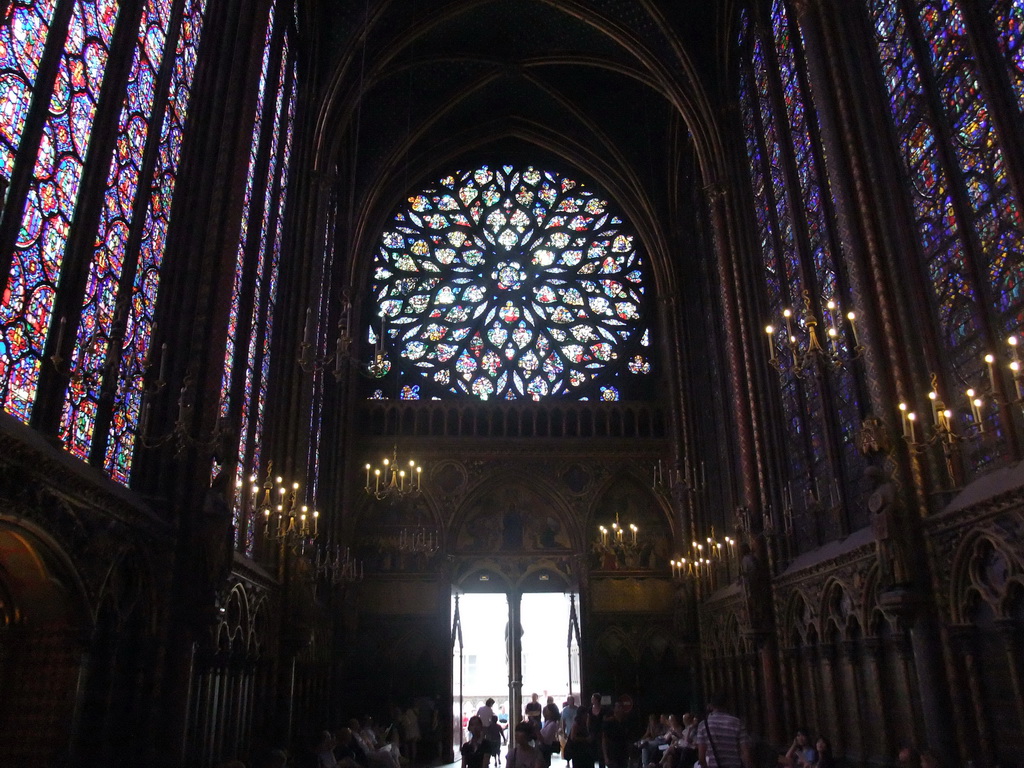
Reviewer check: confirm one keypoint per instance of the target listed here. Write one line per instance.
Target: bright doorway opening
(550, 664)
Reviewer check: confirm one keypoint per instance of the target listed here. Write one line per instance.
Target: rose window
(510, 283)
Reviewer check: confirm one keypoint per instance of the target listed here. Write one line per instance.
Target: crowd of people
(592, 736)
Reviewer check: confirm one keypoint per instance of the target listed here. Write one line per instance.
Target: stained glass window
(259, 252)
(111, 334)
(26, 311)
(510, 283)
(969, 223)
(795, 231)
(23, 34)
(146, 282)
(1008, 19)
(95, 333)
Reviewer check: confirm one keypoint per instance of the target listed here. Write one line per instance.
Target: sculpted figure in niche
(755, 580)
(887, 525)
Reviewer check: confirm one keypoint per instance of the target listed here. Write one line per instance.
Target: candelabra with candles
(419, 539)
(309, 361)
(808, 354)
(180, 434)
(979, 398)
(390, 480)
(615, 548)
(709, 559)
(378, 367)
(285, 519)
(336, 566)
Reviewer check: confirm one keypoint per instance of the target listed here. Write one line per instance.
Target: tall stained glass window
(511, 283)
(969, 222)
(26, 311)
(254, 296)
(113, 326)
(792, 205)
(23, 34)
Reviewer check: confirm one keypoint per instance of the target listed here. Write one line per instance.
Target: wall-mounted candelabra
(342, 356)
(800, 336)
(180, 433)
(618, 545)
(708, 561)
(419, 539)
(285, 518)
(336, 362)
(391, 480)
(335, 565)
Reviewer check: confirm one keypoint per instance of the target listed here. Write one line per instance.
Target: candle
(604, 535)
(183, 404)
(1018, 379)
(316, 521)
(307, 331)
(903, 418)
(144, 418)
(833, 340)
(771, 345)
(419, 477)
(1014, 351)
(60, 333)
(163, 363)
(788, 315)
(853, 328)
(367, 477)
(376, 488)
(339, 355)
(934, 398)
(634, 529)
(990, 361)
(912, 418)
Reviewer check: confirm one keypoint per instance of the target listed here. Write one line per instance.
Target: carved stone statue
(756, 582)
(887, 525)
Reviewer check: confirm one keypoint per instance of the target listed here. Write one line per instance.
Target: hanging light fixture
(391, 479)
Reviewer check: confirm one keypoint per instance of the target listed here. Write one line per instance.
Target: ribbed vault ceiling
(620, 89)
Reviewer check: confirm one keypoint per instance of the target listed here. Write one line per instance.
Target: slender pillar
(881, 736)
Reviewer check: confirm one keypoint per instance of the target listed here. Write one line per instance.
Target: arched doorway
(44, 627)
(515, 632)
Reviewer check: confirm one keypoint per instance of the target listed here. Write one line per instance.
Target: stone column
(881, 735)
(1009, 631)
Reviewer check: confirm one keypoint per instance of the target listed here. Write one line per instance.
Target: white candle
(771, 343)
(990, 361)
(853, 328)
(307, 332)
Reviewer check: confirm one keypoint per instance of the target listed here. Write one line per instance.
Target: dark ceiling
(620, 91)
